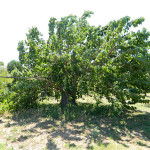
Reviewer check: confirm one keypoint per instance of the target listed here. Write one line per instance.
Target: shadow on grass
(1, 121)
(147, 105)
(51, 145)
(95, 124)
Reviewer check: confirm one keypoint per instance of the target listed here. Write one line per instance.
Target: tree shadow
(83, 123)
(147, 105)
(139, 123)
(51, 145)
(1, 121)
(23, 138)
(120, 127)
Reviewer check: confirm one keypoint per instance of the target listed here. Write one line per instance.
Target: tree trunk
(67, 98)
(64, 99)
(74, 100)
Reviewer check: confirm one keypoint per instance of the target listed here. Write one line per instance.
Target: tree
(79, 59)
(4, 83)
(3, 72)
(1, 63)
(61, 58)
(13, 64)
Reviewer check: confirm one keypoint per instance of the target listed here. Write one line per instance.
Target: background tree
(1, 63)
(4, 83)
(3, 73)
(13, 64)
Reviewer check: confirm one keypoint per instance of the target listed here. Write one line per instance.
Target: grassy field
(88, 127)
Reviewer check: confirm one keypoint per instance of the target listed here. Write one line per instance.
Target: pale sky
(17, 16)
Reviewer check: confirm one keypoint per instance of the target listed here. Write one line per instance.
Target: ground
(45, 129)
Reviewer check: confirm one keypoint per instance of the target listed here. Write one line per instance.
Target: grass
(87, 126)
(4, 147)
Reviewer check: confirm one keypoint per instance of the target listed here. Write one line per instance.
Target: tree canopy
(79, 59)
(12, 65)
(1, 63)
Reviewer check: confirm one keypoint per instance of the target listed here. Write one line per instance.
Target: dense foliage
(4, 86)
(79, 59)
(1, 63)
(12, 65)
(3, 81)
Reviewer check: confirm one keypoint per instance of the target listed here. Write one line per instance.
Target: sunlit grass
(4, 147)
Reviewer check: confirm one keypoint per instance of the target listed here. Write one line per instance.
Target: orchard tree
(64, 59)
(12, 65)
(1, 63)
(79, 59)
(4, 82)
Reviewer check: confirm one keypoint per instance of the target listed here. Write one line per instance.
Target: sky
(18, 16)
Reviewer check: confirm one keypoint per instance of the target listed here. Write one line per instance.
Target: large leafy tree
(64, 59)
(78, 59)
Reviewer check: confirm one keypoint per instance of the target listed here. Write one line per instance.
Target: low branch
(24, 77)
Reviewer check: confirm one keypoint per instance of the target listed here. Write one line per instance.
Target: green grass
(107, 146)
(4, 147)
(71, 146)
